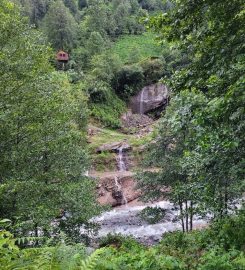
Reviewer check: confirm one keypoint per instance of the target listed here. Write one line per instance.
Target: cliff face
(118, 154)
(150, 98)
(116, 157)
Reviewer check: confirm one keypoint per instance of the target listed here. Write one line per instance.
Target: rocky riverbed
(125, 220)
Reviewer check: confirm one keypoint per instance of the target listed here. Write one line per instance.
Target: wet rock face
(117, 194)
(110, 194)
(149, 98)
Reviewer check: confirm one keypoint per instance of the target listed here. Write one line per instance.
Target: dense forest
(69, 134)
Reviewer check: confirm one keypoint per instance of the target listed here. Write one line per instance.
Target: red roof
(62, 56)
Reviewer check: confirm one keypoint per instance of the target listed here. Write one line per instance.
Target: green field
(135, 48)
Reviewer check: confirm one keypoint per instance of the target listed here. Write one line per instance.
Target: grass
(104, 161)
(109, 136)
(136, 48)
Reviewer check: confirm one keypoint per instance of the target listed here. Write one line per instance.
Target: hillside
(122, 134)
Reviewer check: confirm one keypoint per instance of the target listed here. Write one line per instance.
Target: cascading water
(120, 161)
(121, 168)
(126, 219)
(142, 101)
(119, 189)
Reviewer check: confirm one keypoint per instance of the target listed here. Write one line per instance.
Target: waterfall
(120, 162)
(119, 189)
(121, 168)
(142, 101)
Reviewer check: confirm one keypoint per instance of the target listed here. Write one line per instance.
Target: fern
(90, 262)
(27, 240)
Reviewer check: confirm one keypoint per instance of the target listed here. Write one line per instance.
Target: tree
(128, 81)
(72, 5)
(211, 34)
(95, 44)
(34, 9)
(60, 26)
(176, 179)
(42, 151)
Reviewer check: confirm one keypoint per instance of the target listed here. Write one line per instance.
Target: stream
(125, 219)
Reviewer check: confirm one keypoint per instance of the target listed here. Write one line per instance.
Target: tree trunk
(191, 215)
(182, 217)
(186, 217)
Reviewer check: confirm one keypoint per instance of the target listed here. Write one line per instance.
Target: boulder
(149, 98)
(113, 147)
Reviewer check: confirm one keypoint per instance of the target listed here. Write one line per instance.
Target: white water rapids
(126, 221)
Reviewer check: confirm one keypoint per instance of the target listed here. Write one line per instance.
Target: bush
(128, 254)
(230, 232)
(108, 112)
(117, 240)
(153, 70)
(128, 81)
(152, 214)
(217, 259)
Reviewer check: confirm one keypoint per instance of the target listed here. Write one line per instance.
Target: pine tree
(60, 26)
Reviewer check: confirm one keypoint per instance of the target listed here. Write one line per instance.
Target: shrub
(108, 113)
(152, 214)
(230, 232)
(117, 240)
(217, 259)
(153, 70)
(128, 81)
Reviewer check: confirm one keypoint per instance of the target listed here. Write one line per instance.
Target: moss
(104, 161)
(107, 136)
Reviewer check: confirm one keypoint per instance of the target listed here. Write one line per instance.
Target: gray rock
(149, 98)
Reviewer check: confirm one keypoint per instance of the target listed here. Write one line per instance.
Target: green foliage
(117, 240)
(204, 249)
(200, 250)
(104, 161)
(153, 70)
(43, 120)
(152, 215)
(34, 9)
(60, 26)
(127, 254)
(82, 4)
(215, 259)
(202, 136)
(177, 131)
(155, 5)
(230, 232)
(143, 45)
(58, 257)
(109, 112)
(128, 81)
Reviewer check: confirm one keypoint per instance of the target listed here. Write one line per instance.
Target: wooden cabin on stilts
(62, 59)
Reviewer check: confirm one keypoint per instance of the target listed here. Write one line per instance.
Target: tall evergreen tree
(60, 26)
